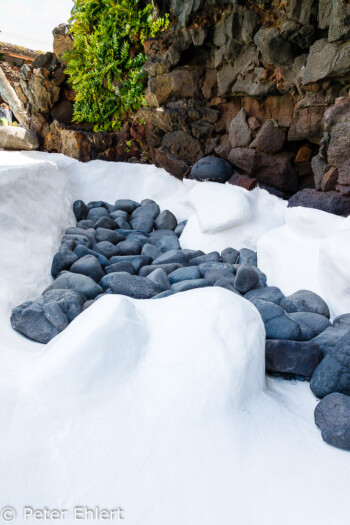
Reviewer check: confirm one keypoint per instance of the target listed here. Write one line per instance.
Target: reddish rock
(304, 169)
(304, 155)
(182, 146)
(277, 170)
(244, 158)
(254, 123)
(270, 138)
(170, 163)
(239, 131)
(329, 181)
(307, 118)
(249, 183)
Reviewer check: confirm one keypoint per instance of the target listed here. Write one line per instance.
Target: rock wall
(251, 82)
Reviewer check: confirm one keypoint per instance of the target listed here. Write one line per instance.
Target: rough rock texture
(332, 415)
(18, 138)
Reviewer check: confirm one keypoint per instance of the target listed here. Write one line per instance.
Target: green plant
(105, 66)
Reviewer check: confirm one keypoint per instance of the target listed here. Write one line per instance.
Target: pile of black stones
(133, 249)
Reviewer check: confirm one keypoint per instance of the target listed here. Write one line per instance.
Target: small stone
(80, 210)
(342, 320)
(129, 248)
(246, 278)
(136, 260)
(243, 181)
(206, 266)
(151, 251)
(90, 266)
(81, 251)
(247, 256)
(172, 256)
(210, 257)
(211, 169)
(166, 221)
(63, 260)
(85, 224)
(271, 294)
(160, 278)
(29, 319)
(79, 283)
(229, 255)
(239, 132)
(106, 248)
(167, 243)
(270, 138)
(104, 234)
(180, 228)
(142, 223)
(329, 181)
(168, 268)
(183, 286)
(122, 224)
(130, 285)
(123, 266)
(106, 223)
(278, 324)
(311, 325)
(126, 205)
(184, 274)
(162, 295)
(97, 213)
(148, 208)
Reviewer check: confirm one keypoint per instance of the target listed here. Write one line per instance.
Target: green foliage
(105, 64)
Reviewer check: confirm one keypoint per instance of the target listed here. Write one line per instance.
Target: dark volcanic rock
(211, 169)
(123, 266)
(306, 301)
(80, 210)
(90, 266)
(270, 293)
(97, 213)
(292, 357)
(332, 416)
(166, 221)
(63, 260)
(247, 256)
(310, 324)
(183, 286)
(129, 248)
(81, 251)
(184, 274)
(229, 255)
(160, 277)
(130, 285)
(142, 223)
(333, 373)
(328, 339)
(126, 205)
(330, 201)
(136, 260)
(106, 248)
(79, 283)
(104, 234)
(172, 256)
(278, 324)
(30, 320)
(246, 278)
(107, 223)
(168, 268)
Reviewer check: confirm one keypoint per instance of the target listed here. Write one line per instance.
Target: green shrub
(105, 64)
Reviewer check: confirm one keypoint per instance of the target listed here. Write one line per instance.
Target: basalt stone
(126, 205)
(270, 138)
(30, 320)
(95, 204)
(278, 324)
(85, 224)
(306, 301)
(63, 260)
(211, 169)
(217, 275)
(89, 233)
(107, 223)
(183, 286)
(228, 285)
(160, 278)
(329, 201)
(104, 234)
(81, 251)
(184, 274)
(148, 208)
(288, 306)
(109, 207)
(192, 254)
(129, 248)
(143, 223)
(157, 235)
(90, 266)
(80, 210)
(79, 283)
(328, 339)
(167, 243)
(272, 294)
(342, 320)
(210, 257)
(76, 240)
(149, 250)
(230, 255)
(311, 325)
(136, 260)
(123, 266)
(130, 285)
(162, 295)
(333, 373)
(138, 237)
(172, 256)
(168, 268)
(332, 416)
(166, 221)
(246, 278)
(180, 228)
(70, 302)
(122, 224)
(247, 256)
(106, 248)
(292, 357)
(204, 267)
(119, 214)
(97, 213)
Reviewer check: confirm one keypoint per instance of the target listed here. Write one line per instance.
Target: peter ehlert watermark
(9, 514)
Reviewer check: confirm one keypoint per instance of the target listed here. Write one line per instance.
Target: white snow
(310, 251)
(159, 407)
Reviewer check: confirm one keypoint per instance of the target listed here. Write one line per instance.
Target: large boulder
(212, 169)
(16, 138)
(292, 357)
(333, 373)
(332, 416)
